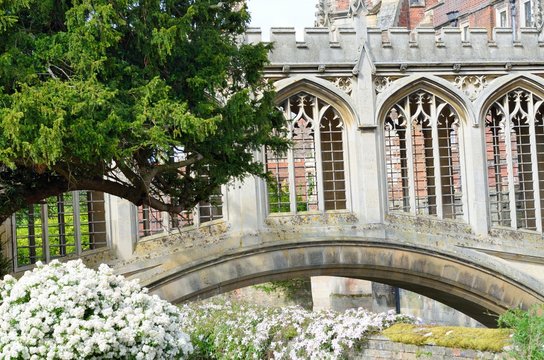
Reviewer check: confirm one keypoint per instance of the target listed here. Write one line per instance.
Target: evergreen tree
(155, 101)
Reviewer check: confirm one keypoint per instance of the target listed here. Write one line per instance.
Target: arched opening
(478, 291)
(514, 138)
(423, 159)
(311, 175)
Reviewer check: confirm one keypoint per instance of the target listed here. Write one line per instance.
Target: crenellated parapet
(326, 51)
(319, 49)
(399, 46)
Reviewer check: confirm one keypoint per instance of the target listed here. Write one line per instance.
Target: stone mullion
(510, 164)
(436, 160)
(534, 163)
(45, 232)
(410, 158)
(316, 120)
(291, 162)
(77, 221)
(462, 174)
(196, 215)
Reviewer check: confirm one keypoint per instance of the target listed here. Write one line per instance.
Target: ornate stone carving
(322, 15)
(471, 85)
(381, 83)
(355, 6)
(343, 83)
(326, 8)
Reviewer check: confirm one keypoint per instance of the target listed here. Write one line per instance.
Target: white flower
(241, 331)
(67, 311)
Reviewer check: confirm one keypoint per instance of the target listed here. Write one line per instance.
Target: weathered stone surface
(379, 347)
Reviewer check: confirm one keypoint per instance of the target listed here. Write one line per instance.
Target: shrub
(297, 290)
(241, 331)
(528, 327)
(67, 311)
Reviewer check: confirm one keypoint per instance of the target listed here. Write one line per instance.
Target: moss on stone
(450, 336)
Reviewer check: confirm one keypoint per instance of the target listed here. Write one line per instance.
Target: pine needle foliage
(157, 101)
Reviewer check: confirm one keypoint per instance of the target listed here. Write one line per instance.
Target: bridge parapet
(419, 258)
(450, 45)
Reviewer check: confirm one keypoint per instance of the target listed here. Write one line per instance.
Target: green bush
(528, 327)
(297, 290)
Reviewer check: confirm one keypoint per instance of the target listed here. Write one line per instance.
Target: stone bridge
(426, 257)
(417, 161)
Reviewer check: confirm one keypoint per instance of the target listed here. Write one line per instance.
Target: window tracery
(422, 155)
(310, 176)
(514, 136)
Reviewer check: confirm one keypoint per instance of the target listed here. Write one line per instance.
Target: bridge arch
(479, 291)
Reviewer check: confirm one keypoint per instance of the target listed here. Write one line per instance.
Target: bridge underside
(481, 293)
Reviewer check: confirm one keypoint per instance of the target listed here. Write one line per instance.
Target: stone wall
(380, 348)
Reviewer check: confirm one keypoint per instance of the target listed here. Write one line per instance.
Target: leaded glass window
(151, 221)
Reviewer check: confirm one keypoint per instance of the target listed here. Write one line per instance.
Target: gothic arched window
(310, 176)
(514, 136)
(422, 157)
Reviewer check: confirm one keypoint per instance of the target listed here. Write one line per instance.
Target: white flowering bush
(238, 331)
(67, 311)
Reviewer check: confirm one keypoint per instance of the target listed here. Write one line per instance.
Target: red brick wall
(405, 15)
(478, 13)
(484, 18)
(411, 16)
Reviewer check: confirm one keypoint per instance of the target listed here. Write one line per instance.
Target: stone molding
(432, 83)
(471, 85)
(322, 88)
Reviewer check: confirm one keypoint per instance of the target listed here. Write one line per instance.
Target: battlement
(425, 45)
(323, 47)
(319, 46)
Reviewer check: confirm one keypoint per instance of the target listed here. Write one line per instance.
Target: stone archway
(468, 287)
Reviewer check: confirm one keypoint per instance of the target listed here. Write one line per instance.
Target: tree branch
(161, 168)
